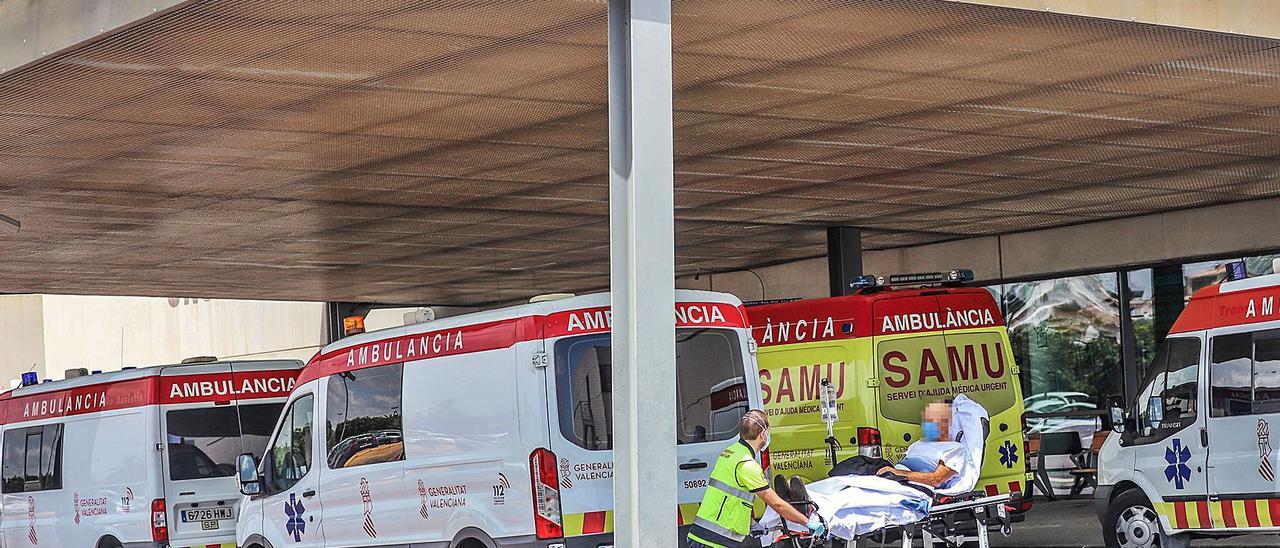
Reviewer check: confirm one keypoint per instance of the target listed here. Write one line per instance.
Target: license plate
(205, 515)
(209, 524)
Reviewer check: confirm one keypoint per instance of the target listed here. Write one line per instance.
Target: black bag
(859, 466)
(868, 466)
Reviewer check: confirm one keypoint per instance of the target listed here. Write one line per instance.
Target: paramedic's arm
(751, 476)
(934, 478)
(782, 507)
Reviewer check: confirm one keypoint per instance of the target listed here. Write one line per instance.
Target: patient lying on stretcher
(933, 461)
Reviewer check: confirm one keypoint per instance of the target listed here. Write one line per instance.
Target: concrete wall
(1236, 229)
(1252, 17)
(21, 336)
(58, 332)
(31, 29)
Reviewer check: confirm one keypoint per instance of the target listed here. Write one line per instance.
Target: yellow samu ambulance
(887, 351)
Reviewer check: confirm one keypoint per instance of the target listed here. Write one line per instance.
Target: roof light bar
(958, 275)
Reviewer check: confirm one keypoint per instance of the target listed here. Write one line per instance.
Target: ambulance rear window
(711, 387)
(204, 442)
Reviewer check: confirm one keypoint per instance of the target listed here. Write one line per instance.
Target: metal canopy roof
(454, 151)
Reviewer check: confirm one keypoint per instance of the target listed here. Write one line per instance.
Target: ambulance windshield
(204, 442)
(711, 387)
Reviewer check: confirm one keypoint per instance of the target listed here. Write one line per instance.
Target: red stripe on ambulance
(1210, 308)
(1180, 515)
(1251, 514)
(150, 390)
(500, 334)
(223, 387)
(1228, 513)
(81, 400)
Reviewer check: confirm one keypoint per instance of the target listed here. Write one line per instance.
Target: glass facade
(1066, 340)
(1067, 332)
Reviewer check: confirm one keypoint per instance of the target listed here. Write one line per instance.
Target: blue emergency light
(1236, 271)
(865, 281)
(30, 378)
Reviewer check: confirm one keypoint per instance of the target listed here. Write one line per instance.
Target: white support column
(642, 272)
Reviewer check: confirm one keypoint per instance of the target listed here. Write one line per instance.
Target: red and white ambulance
(486, 429)
(141, 457)
(1193, 456)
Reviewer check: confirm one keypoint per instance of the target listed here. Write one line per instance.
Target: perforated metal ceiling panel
(454, 151)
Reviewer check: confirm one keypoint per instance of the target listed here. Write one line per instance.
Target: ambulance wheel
(109, 542)
(1132, 523)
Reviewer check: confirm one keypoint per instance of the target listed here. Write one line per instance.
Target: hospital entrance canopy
(455, 152)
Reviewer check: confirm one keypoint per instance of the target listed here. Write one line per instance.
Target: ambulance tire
(108, 542)
(1132, 512)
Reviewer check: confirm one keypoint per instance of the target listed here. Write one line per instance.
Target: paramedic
(932, 461)
(724, 518)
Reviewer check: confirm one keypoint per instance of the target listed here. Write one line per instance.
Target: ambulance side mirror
(1115, 408)
(247, 472)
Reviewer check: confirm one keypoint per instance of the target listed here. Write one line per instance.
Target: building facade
(49, 334)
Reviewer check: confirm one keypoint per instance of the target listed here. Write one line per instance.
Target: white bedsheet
(856, 505)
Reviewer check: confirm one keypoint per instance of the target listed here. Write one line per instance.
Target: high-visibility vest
(724, 518)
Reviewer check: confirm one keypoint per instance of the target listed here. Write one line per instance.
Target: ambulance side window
(1266, 373)
(1174, 378)
(1245, 377)
(585, 386)
(1230, 375)
(1182, 382)
(711, 388)
(32, 459)
(363, 422)
(291, 451)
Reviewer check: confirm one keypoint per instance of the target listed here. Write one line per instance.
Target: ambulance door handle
(1204, 437)
(309, 493)
(693, 465)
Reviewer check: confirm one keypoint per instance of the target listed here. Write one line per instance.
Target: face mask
(932, 431)
(767, 438)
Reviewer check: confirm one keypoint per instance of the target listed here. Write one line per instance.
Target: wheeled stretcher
(950, 522)
(886, 510)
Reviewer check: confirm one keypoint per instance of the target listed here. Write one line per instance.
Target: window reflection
(1066, 338)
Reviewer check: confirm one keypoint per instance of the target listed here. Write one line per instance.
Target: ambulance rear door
(205, 409)
(715, 386)
(201, 441)
(980, 365)
(912, 370)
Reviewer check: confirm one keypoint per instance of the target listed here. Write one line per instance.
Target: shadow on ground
(1073, 523)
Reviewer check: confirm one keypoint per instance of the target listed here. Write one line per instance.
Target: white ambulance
(489, 429)
(1196, 457)
(141, 457)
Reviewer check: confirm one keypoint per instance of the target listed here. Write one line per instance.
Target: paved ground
(1073, 523)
